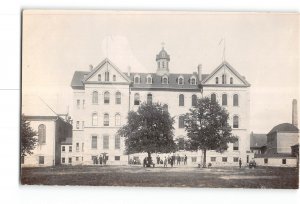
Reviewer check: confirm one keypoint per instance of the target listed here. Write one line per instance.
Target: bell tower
(162, 60)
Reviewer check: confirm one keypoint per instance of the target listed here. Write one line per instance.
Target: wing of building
(103, 96)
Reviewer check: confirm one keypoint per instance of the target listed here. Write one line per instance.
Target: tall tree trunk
(204, 157)
(149, 159)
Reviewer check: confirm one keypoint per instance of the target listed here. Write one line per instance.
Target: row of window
(224, 159)
(181, 100)
(235, 101)
(224, 79)
(106, 119)
(181, 144)
(106, 99)
(235, 122)
(106, 77)
(165, 80)
(94, 143)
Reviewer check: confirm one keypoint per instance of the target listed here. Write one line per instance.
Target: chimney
(129, 70)
(91, 67)
(294, 113)
(200, 72)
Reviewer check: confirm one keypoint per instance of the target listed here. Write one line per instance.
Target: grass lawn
(226, 177)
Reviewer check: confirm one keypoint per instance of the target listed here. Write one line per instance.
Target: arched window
(231, 80)
(235, 100)
(117, 119)
(181, 100)
(149, 80)
(165, 107)
(235, 121)
(99, 77)
(42, 134)
(114, 78)
(181, 122)
(106, 76)
(117, 142)
(213, 98)
(193, 81)
(163, 64)
(136, 80)
(165, 80)
(94, 119)
(106, 119)
(95, 97)
(217, 80)
(224, 79)
(136, 99)
(236, 145)
(118, 98)
(224, 99)
(181, 143)
(149, 98)
(106, 97)
(180, 81)
(194, 100)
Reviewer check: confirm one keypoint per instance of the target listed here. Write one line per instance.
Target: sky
(262, 47)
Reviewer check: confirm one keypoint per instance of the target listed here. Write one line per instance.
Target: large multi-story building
(103, 96)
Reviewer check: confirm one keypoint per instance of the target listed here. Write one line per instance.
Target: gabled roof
(284, 127)
(258, 140)
(99, 66)
(224, 63)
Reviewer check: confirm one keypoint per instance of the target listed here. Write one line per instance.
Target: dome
(284, 127)
(163, 55)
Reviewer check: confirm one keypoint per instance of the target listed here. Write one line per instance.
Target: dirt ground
(227, 177)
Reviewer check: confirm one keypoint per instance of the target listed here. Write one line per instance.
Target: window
(77, 124)
(213, 98)
(163, 64)
(149, 98)
(117, 119)
(136, 99)
(213, 159)
(70, 160)
(235, 121)
(106, 119)
(235, 100)
(231, 80)
(77, 146)
(41, 160)
(181, 121)
(82, 124)
(265, 160)
(217, 80)
(136, 80)
(165, 80)
(94, 142)
(224, 159)
(181, 100)
(82, 147)
(70, 148)
(63, 148)
(181, 144)
(236, 145)
(224, 99)
(193, 81)
(283, 161)
(149, 80)
(224, 81)
(63, 160)
(194, 100)
(117, 142)
(42, 134)
(95, 97)
(77, 158)
(99, 77)
(94, 119)
(106, 97)
(22, 159)
(78, 104)
(118, 98)
(180, 81)
(194, 159)
(114, 78)
(106, 76)
(105, 142)
(117, 158)
(83, 103)
(235, 159)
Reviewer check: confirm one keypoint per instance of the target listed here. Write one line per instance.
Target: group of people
(101, 160)
(171, 160)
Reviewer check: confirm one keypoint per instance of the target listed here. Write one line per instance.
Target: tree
(149, 129)
(207, 127)
(28, 137)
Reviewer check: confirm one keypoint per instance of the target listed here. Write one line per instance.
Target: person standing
(104, 159)
(178, 160)
(100, 159)
(185, 160)
(165, 162)
(173, 159)
(240, 162)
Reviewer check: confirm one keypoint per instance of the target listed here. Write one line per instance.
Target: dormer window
(114, 78)
(231, 80)
(217, 80)
(180, 80)
(193, 80)
(149, 79)
(165, 80)
(99, 77)
(106, 76)
(137, 79)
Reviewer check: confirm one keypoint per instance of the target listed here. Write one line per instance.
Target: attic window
(165, 80)
(193, 80)
(180, 80)
(231, 80)
(217, 80)
(99, 77)
(114, 77)
(106, 76)
(136, 79)
(224, 80)
(149, 80)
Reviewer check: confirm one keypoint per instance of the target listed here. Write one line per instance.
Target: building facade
(103, 96)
